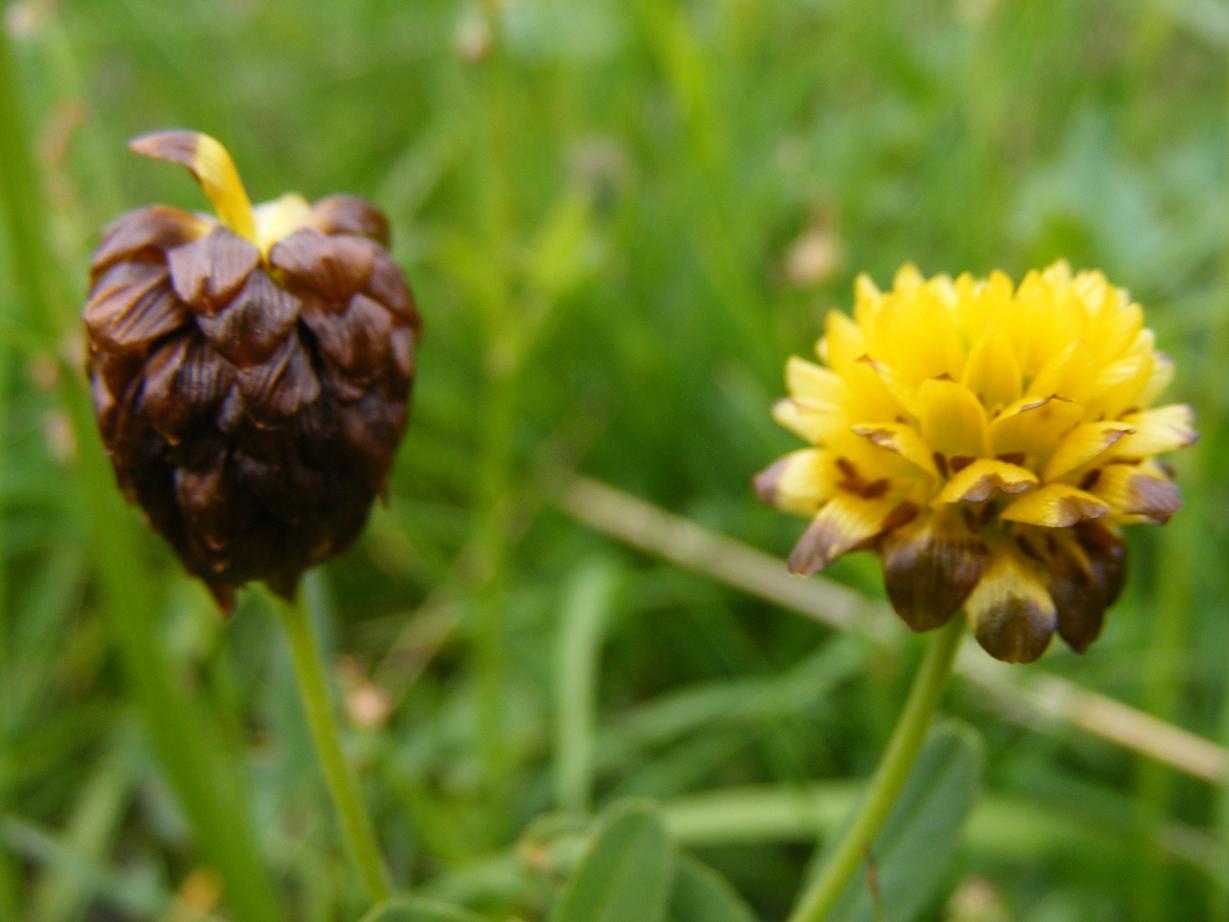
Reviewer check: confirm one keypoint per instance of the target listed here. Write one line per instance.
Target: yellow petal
(1067, 375)
(1157, 431)
(280, 218)
(1055, 505)
(1162, 374)
(1033, 426)
(210, 164)
(817, 386)
(951, 420)
(1010, 611)
(991, 371)
(902, 439)
(843, 342)
(805, 420)
(799, 482)
(981, 479)
(1137, 493)
(1084, 444)
(845, 523)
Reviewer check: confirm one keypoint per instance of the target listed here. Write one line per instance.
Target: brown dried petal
(355, 340)
(1086, 580)
(401, 341)
(208, 272)
(387, 285)
(157, 227)
(132, 305)
(1010, 611)
(346, 214)
(929, 569)
(1015, 631)
(254, 324)
(184, 380)
(333, 267)
(280, 386)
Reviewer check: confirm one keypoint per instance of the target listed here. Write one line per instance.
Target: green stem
(313, 691)
(889, 777)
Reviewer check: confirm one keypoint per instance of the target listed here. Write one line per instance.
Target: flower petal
(208, 272)
(280, 386)
(901, 439)
(157, 227)
(799, 482)
(845, 523)
(1085, 579)
(252, 326)
(1033, 426)
(132, 306)
(1157, 431)
(1083, 444)
(346, 214)
(1137, 493)
(333, 267)
(805, 420)
(814, 385)
(951, 419)
(929, 568)
(979, 481)
(991, 371)
(1010, 611)
(1055, 505)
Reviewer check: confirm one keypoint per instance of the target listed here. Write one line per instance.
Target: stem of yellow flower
(313, 690)
(907, 736)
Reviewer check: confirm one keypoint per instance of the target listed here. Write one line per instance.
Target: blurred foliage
(619, 218)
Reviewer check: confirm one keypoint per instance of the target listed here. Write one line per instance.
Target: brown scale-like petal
(184, 380)
(132, 306)
(255, 324)
(346, 214)
(1010, 611)
(356, 340)
(333, 267)
(929, 568)
(1139, 492)
(401, 344)
(281, 386)
(156, 228)
(387, 285)
(845, 523)
(1086, 578)
(208, 272)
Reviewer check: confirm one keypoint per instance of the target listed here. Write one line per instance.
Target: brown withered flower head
(990, 440)
(250, 372)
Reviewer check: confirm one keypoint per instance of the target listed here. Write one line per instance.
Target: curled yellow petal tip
(211, 166)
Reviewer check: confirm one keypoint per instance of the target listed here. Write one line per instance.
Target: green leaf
(582, 629)
(912, 854)
(702, 895)
(417, 910)
(626, 873)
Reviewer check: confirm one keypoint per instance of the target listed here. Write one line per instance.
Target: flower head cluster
(250, 372)
(988, 439)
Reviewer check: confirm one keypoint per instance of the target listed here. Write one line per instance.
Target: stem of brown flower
(313, 691)
(907, 736)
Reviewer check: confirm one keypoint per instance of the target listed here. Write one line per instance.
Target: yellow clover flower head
(988, 440)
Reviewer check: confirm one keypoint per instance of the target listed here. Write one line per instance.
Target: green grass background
(595, 203)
